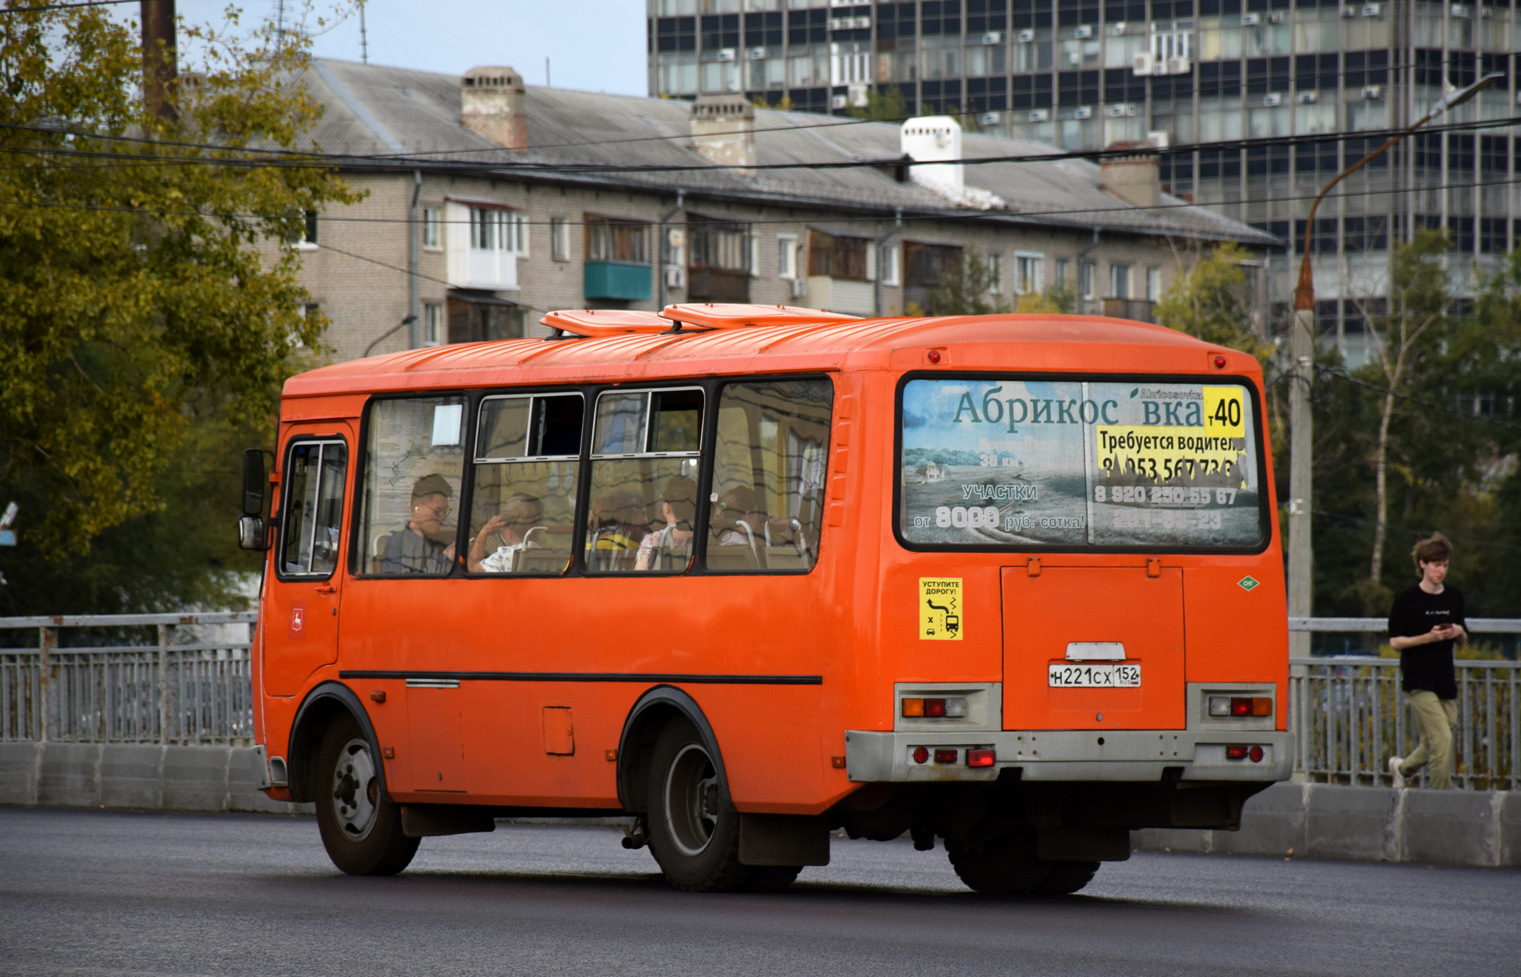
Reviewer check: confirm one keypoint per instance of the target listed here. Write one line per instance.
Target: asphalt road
(110, 892)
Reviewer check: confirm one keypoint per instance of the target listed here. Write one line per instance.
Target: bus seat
(786, 557)
(378, 549)
(541, 561)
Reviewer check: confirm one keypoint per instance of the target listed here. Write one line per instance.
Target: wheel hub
(356, 790)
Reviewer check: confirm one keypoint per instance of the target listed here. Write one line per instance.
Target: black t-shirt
(1427, 667)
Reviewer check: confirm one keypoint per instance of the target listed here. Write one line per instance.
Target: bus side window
(645, 456)
(768, 475)
(523, 502)
(313, 515)
(413, 467)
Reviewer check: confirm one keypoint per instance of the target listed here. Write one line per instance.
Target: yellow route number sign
(941, 616)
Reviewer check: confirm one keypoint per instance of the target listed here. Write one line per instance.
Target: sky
(593, 45)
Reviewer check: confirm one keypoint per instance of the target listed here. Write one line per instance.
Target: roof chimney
(1134, 179)
(491, 103)
(723, 130)
(934, 138)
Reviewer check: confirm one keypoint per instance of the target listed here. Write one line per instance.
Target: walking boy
(1424, 623)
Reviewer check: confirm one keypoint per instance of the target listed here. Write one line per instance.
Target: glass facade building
(1087, 74)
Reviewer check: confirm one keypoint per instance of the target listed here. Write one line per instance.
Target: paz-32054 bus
(753, 575)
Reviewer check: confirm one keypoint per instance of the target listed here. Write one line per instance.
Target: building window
(609, 239)
(786, 255)
(837, 257)
(495, 229)
(1119, 281)
(995, 273)
(559, 239)
(719, 254)
(1061, 272)
(432, 230)
(306, 238)
(432, 332)
(1087, 271)
(1153, 284)
(892, 261)
(1027, 273)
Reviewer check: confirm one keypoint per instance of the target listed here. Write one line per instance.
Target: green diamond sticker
(1248, 583)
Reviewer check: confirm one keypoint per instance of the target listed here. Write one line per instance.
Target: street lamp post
(1302, 352)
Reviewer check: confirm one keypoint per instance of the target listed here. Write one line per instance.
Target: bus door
(302, 604)
(1093, 647)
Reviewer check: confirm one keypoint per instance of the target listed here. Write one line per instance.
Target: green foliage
(882, 105)
(139, 294)
(1057, 299)
(1210, 301)
(964, 289)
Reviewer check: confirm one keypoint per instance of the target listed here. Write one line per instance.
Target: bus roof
(1046, 343)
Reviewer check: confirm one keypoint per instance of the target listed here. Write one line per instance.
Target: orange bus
(755, 575)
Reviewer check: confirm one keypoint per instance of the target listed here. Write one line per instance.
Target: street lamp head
(1453, 99)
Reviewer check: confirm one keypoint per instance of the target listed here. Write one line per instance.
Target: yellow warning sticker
(940, 611)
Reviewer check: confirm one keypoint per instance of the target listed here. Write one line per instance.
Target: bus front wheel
(694, 829)
(1005, 865)
(359, 823)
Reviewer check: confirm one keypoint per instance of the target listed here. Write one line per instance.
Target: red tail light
(945, 756)
(980, 758)
(1235, 751)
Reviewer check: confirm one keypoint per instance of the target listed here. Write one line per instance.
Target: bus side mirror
(252, 533)
(254, 481)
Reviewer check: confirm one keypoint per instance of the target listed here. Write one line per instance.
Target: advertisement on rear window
(1069, 463)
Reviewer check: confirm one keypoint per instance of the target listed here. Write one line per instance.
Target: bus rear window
(1068, 464)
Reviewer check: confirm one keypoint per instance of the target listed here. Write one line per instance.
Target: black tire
(694, 829)
(1005, 865)
(1068, 877)
(360, 824)
(772, 878)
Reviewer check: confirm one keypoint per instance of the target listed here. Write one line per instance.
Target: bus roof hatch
(605, 322)
(710, 315)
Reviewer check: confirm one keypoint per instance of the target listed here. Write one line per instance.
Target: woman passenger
(678, 503)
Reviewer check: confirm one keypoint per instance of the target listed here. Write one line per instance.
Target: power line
(63, 6)
(1338, 374)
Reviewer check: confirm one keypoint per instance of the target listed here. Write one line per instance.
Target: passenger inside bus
(416, 548)
(618, 521)
(671, 547)
(738, 521)
(513, 528)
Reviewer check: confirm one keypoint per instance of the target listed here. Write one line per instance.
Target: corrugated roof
(630, 356)
(372, 109)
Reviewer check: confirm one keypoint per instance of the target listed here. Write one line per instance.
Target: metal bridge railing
(127, 678)
(184, 679)
(1349, 716)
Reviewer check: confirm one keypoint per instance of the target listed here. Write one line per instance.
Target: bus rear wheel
(359, 823)
(694, 829)
(1005, 865)
(1068, 877)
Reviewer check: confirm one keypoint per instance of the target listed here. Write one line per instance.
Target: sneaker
(1394, 772)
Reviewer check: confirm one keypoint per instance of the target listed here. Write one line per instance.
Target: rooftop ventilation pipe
(491, 102)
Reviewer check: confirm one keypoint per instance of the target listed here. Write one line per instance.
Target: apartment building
(1086, 74)
(490, 202)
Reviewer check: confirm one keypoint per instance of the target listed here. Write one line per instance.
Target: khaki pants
(1436, 718)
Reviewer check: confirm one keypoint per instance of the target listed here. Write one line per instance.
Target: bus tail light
(1235, 751)
(951, 707)
(979, 758)
(1240, 705)
(921, 754)
(946, 756)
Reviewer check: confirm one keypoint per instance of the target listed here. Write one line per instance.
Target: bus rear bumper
(1068, 755)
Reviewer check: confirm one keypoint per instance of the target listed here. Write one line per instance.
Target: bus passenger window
(768, 475)
(523, 502)
(413, 466)
(644, 481)
(313, 518)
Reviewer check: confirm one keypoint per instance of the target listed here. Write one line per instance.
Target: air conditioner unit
(1461, 10)
(1040, 115)
(799, 287)
(990, 118)
(1307, 98)
(1121, 110)
(1349, 11)
(1250, 20)
(726, 54)
(1084, 112)
(1373, 91)
(1269, 101)
(1373, 10)
(1179, 66)
(1143, 63)
(1159, 138)
(993, 37)
(1118, 28)
(1082, 32)
(1074, 58)
(756, 53)
(839, 101)
(675, 276)
(1025, 36)
(1277, 17)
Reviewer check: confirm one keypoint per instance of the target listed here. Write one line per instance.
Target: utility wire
(1340, 375)
(63, 6)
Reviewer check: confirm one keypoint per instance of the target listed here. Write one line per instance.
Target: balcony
(617, 280)
(1140, 310)
(717, 285)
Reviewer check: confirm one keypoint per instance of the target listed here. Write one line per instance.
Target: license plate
(1064, 675)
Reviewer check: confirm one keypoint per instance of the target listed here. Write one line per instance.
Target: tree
(140, 295)
(966, 288)
(1211, 301)
(882, 105)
